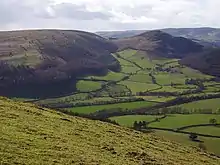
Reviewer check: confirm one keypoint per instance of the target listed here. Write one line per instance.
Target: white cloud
(96, 15)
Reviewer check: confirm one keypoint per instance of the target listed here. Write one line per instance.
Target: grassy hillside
(47, 137)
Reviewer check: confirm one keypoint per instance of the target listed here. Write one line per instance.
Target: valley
(153, 83)
(143, 83)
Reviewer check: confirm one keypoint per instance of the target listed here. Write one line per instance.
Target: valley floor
(146, 88)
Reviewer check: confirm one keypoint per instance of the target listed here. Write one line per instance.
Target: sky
(102, 15)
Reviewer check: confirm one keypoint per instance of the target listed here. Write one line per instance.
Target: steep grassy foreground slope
(31, 135)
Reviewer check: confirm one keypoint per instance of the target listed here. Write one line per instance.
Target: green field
(171, 89)
(211, 144)
(189, 72)
(178, 121)
(129, 69)
(124, 106)
(143, 78)
(203, 104)
(66, 99)
(127, 53)
(157, 98)
(139, 87)
(88, 86)
(210, 130)
(167, 78)
(171, 121)
(130, 119)
(142, 60)
(111, 76)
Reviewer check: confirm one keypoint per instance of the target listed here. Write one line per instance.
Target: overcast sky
(96, 15)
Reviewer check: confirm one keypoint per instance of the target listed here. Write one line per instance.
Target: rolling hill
(33, 135)
(160, 43)
(42, 63)
(208, 62)
(209, 37)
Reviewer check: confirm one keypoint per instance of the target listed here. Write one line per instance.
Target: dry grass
(30, 135)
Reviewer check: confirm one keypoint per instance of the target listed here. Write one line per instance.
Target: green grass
(124, 106)
(111, 76)
(88, 86)
(127, 53)
(95, 100)
(208, 130)
(186, 86)
(142, 60)
(129, 69)
(203, 104)
(117, 89)
(66, 99)
(157, 98)
(177, 121)
(168, 78)
(143, 78)
(29, 135)
(215, 89)
(212, 144)
(130, 119)
(122, 61)
(192, 73)
(171, 89)
(139, 87)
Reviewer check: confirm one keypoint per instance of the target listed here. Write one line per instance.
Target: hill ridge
(160, 43)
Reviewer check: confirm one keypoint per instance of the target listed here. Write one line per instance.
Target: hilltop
(160, 43)
(206, 36)
(44, 136)
(211, 35)
(47, 62)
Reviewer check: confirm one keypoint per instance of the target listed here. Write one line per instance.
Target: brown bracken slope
(46, 62)
(207, 62)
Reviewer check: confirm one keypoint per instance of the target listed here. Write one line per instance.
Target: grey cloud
(107, 14)
(78, 12)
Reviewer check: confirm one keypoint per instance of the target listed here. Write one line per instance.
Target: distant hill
(206, 36)
(120, 34)
(160, 43)
(33, 135)
(208, 62)
(42, 63)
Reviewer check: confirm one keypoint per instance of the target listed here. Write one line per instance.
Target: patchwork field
(176, 121)
(123, 106)
(88, 86)
(211, 144)
(203, 104)
(130, 119)
(153, 80)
